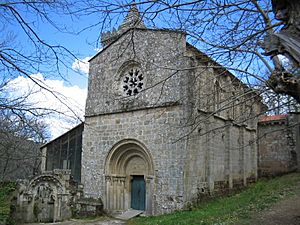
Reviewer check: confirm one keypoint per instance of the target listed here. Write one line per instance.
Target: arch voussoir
(125, 161)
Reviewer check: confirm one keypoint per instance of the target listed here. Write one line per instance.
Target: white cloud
(81, 65)
(68, 100)
(98, 50)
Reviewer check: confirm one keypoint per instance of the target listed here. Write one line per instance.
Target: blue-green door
(138, 193)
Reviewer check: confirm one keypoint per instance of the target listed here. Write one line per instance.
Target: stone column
(115, 198)
(149, 193)
(114, 193)
(119, 193)
(127, 190)
(228, 153)
(43, 163)
(242, 153)
(122, 193)
(209, 154)
(57, 208)
(253, 147)
(119, 187)
(107, 204)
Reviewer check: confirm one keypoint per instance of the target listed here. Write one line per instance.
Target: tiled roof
(272, 118)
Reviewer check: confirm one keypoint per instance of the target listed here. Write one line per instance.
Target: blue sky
(84, 44)
(73, 88)
(80, 35)
(81, 44)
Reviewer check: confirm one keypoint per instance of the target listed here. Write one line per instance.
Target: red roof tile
(271, 118)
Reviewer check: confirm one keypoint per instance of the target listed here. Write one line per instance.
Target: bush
(6, 190)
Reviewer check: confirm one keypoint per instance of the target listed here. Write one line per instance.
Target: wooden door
(138, 193)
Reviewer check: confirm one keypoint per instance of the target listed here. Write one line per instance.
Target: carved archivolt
(129, 157)
(45, 179)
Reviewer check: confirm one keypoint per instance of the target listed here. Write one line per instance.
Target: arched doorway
(129, 177)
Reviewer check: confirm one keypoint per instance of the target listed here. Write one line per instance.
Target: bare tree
(24, 51)
(20, 139)
(287, 43)
(230, 32)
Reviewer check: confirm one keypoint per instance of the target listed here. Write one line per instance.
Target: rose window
(133, 82)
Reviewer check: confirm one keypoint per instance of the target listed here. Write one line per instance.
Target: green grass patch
(231, 210)
(5, 190)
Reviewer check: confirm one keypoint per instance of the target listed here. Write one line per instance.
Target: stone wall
(213, 89)
(221, 157)
(158, 129)
(156, 53)
(153, 119)
(222, 150)
(277, 141)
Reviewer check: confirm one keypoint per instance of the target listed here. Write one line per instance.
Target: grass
(5, 190)
(234, 209)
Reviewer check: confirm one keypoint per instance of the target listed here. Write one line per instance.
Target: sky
(71, 92)
(72, 88)
(80, 35)
(71, 95)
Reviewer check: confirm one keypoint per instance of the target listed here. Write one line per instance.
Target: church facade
(164, 124)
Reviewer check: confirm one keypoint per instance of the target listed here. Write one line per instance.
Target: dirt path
(285, 212)
(85, 222)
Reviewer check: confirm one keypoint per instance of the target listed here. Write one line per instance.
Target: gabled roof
(132, 29)
(64, 134)
(222, 70)
(132, 21)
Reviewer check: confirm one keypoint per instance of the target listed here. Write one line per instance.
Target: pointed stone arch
(126, 160)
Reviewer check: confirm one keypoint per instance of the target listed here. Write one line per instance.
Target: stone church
(164, 126)
(158, 130)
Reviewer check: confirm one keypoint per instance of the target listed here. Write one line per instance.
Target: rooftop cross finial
(133, 18)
